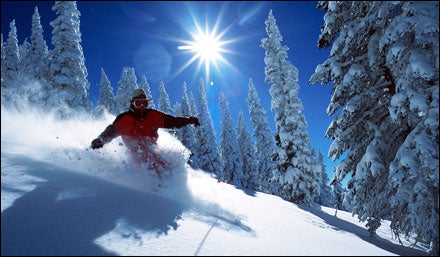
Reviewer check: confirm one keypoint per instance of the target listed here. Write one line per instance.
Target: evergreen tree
(192, 105)
(68, 74)
(298, 181)
(414, 171)
(106, 102)
(2, 60)
(325, 197)
(264, 141)
(339, 196)
(36, 62)
(126, 85)
(195, 152)
(31, 89)
(10, 66)
(2, 52)
(164, 103)
(247, 153)
(384, 66)
(177, 109)
(146, 87)
(232, 168)
(208, 158)
(11, 54)
(23, 52)
(188, 137)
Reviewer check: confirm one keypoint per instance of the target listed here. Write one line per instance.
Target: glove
(97, 143)
(194, 120)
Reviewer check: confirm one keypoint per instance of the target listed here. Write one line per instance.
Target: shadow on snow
(363, 233)
(67, 211)
(47, 221)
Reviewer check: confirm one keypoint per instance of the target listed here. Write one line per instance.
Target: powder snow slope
(59, 197)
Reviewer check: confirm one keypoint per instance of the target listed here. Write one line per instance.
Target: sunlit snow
(59, 197)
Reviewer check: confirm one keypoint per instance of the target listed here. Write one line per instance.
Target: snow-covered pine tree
(325, 197)
(298, 180)
(68, 95)
(384, 66)
(188, 136)
(177, 110)
(36, 62)
(106, 102)
(208, 158)
(126, 85)
(146, 87)
(10, 64)
(34, 66)
(316, 167)
(338, 192)
(232, 168)
(164, 103)
(247, 153)
(365, 90)
(23, 51)
(414, 172)
(192, 105)
(2, 53)
(11, 54)
(194, 112)
(264, 141)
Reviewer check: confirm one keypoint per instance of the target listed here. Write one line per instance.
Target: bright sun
(207, 47)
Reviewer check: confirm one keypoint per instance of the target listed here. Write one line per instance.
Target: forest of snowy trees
(384, 70)
(384, 65)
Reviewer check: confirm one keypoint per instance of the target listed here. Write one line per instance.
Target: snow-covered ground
(59, 197)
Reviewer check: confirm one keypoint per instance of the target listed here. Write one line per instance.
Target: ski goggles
(140, 102)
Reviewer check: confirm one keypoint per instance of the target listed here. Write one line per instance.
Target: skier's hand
(97, 143)
(194, 120)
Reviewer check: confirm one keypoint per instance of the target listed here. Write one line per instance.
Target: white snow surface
(59, 197)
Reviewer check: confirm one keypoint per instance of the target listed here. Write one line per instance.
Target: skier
(138, 128)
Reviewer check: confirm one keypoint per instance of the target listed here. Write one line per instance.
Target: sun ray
(207, 46)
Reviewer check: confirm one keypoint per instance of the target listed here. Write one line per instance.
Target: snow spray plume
(29, 95)
(66, 144)
(29, 128)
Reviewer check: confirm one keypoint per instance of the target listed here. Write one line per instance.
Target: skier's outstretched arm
(178, 122)
(106, 136)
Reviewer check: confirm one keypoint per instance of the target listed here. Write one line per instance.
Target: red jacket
(139, 130)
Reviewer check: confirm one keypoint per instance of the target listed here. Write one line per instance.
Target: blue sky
(147, 36)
